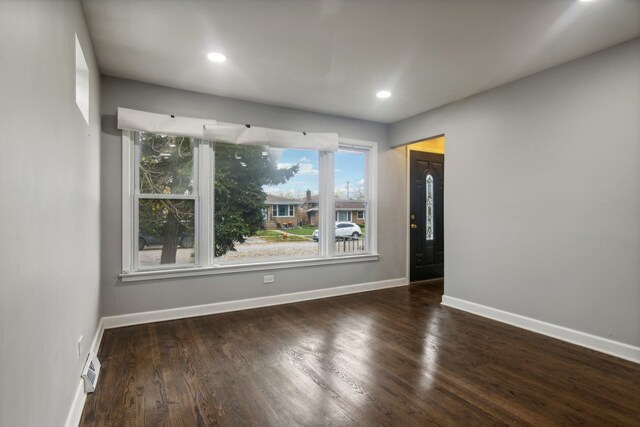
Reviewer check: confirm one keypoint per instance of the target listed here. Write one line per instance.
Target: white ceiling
(332, 56)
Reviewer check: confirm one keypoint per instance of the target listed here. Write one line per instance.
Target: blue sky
(348, 167)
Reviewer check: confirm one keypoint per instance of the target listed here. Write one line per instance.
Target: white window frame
(205, 264)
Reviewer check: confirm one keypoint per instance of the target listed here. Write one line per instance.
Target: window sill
(241, 268)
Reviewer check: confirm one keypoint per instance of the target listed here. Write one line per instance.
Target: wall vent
(90, 372)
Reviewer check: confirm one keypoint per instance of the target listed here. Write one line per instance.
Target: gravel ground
(151, 256)
(253, 248)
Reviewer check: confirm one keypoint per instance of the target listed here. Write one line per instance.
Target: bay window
(201, 197)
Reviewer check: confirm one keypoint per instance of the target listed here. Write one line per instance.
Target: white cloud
(356, 190)
(275, 153)
(304, 168)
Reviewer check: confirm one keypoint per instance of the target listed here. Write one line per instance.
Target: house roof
(342, 205)
(276, 200)
(350, 204)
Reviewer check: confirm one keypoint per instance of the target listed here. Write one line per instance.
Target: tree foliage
(241, 172)
(166, 168)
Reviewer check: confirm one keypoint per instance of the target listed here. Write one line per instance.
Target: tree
(241, 172)
(166, 168)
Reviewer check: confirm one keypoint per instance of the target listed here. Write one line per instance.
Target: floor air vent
(90, 373)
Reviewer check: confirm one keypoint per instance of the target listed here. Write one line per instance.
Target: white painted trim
(407, 220)
(593, 342)
(75, 412)
(326, 205)
(127, 202)
(204, 238)
(172, 273)
(371, 182)
(244, 304)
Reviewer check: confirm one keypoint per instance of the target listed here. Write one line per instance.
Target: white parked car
(344, 230)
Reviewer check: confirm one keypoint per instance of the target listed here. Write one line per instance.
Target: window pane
(166, 164)
(250, 180)
(350, 201)
(343, 215)
(166, 232)
(429, 206)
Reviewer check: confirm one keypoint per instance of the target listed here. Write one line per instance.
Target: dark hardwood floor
(392, 357)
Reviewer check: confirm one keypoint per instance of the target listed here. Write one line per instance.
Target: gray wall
(49, 193)
(542, 199)
(122, 298)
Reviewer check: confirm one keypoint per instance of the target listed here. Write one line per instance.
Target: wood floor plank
(390, 357)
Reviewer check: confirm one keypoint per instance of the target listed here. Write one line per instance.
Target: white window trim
(128, 161)
(205, 263)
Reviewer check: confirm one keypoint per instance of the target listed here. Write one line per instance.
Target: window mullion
(205, 178)
(135, 219)
(192, 196)
(128, 191)
(371, 194)
(327, 205)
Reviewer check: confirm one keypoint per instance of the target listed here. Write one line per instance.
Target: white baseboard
(75, 412)
(593, 342)
(244, 304)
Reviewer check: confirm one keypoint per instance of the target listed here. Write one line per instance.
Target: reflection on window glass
(266, 203)
(166, 232)
(429, 207)
(166, 164)
(350, 201)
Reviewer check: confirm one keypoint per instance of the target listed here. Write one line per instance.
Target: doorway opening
(425, 206)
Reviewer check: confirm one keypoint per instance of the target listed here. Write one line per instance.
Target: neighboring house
(350, 210)
(282, 213)
(346, 210)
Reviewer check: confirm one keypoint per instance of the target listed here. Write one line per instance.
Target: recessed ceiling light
(216, 57)
(383, 94)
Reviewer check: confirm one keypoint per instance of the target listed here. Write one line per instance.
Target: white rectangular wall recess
(82, 82)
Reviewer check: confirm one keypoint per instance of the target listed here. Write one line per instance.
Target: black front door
(426, 216)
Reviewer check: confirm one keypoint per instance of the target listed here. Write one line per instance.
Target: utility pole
(348, 189)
